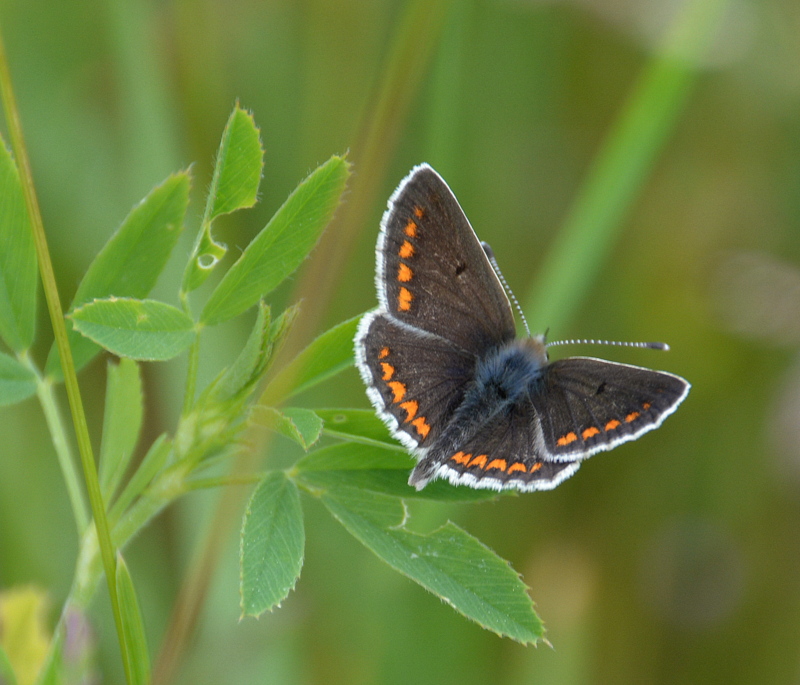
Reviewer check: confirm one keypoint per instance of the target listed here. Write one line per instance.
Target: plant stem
(60, 332)
(58, 434)
(191, 376)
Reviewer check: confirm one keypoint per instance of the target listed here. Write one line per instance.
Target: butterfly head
(536, 347)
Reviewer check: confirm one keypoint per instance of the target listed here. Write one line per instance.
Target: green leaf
(151, 465)
(280, 329)
(147, 330)
(132, 626)
(358, 425)
(272, 544)
(130, 262)
(122, 421)
(237, 174)
(282, 245)
(17, 382)
(381, 470)
(364, 427)
(250, 363)
(301, 425)
(448, 562)
(18, 271)
(329, 354)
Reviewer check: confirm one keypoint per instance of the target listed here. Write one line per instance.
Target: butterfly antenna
(617, 343)
(490, 255)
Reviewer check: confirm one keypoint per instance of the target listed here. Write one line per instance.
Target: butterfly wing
(432, 272)
(588, 405)
(414, 379)
(442, 308)
(505, 452)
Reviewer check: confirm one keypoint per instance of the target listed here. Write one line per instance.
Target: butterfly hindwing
(415, 380)
(588, 405)
(432, 272)
(504, 452)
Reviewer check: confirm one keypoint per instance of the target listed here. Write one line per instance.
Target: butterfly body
(447, 374)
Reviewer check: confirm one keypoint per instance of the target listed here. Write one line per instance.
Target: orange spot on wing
(411, 408)
(536, 467)
(419, 212)
(404, 274)
(589, 432)
(461, 458)
(404, 300)
(480, 460)
(566, 439)
(388, 371)
(646, 406)
(632, 416)
(611, 425)
(411, 229)
(497, 464)
(422, 427)
(398, 390)
(383, 353)
(406, 250)
(519, 466)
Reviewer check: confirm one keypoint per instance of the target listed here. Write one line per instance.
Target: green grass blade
(17, 382)
(18, 270)
(282, 245)
(326, 356)
(122, 421)
(448, 562)
(151, 465)
(147, 330)
(272, 545)
(620, 169)
(133, 626)
(130, 262)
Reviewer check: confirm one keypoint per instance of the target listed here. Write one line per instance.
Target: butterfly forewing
(432, 271)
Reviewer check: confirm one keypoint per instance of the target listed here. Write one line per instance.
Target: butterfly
(446, 372)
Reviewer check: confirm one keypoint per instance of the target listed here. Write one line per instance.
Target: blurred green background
(671, 560)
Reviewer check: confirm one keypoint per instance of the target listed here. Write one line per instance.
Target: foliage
(360, 481)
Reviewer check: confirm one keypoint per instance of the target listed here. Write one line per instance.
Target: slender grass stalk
(58, 434)
(621, 168)
(60, 332)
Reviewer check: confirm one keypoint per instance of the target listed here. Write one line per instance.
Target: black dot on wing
(461, 268)
(600, 388)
